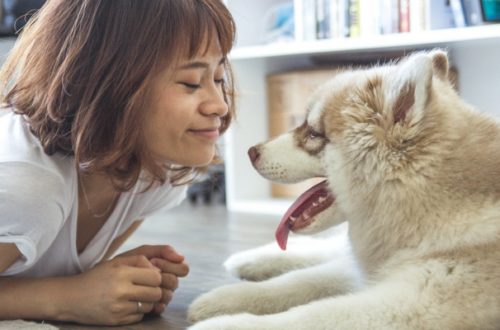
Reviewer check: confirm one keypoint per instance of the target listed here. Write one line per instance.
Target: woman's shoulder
(16, 140)
(19, 146)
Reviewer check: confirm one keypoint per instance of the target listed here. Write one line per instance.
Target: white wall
(479, 74)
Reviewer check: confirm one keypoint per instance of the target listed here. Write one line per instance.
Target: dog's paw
(229, 299)
(268, 261)
(248, 265)
(231, 322)
(245, 297)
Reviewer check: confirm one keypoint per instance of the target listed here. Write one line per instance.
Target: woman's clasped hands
(122, 290)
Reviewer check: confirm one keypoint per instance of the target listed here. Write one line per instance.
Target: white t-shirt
(39, 206)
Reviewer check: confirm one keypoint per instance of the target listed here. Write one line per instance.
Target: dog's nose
(254, 154)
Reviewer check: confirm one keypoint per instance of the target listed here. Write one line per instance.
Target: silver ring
(139, 307)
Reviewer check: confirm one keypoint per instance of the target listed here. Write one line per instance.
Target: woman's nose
(216, 104)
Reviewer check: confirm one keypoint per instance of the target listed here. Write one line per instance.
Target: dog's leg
(269, 261)
(280, 293)
(431, 295)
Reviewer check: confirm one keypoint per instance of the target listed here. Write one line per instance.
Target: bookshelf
(473, 50)
(397, 41)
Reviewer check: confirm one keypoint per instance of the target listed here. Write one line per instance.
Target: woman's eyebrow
(198, 65)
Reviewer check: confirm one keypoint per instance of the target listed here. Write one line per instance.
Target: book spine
(439, 15)
(298, 20)
(385, 17)
(472, 12)
(458, 13)
(344, 18)
(369, 18)
(334, 16)
(394, 16)
(354, 19)
(417, 16)
(309, 20)
(404, 16)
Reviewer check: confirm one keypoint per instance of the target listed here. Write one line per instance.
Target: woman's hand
(169, 262)
(109, 293)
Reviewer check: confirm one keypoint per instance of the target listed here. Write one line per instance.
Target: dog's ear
(440, 63)
(411, 87)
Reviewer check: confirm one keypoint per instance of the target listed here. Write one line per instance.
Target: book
(458, 13)
(472, 12)
(308, 20)
(404, 15)
(334, 19)
(389, 16)
(439, 15)
(339, 18)
(354, 19)
(490, 10)
(323, 19)
(343, 17)
(369, 18)
(418, 9)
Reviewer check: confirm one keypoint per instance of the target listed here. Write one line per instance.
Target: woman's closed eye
(195, 86)
(190, 85)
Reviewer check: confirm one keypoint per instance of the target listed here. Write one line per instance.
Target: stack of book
(330, 19)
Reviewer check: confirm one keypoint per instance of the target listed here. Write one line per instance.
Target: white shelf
(379, 43)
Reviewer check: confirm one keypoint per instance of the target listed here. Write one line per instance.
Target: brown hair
(81, 70)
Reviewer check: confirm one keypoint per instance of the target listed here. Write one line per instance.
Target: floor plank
(206, 236)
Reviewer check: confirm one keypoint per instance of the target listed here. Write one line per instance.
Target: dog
(413, 170)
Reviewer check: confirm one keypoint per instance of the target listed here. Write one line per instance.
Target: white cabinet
(475, 51)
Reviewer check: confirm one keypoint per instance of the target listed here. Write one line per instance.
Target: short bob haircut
(81, 72)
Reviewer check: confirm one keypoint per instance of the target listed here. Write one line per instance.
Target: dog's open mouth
(302, 212)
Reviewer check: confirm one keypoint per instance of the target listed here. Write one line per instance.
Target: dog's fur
(416, 174)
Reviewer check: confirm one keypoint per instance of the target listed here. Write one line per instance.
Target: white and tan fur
(415, 172)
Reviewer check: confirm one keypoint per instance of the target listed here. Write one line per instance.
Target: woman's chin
(200, 160)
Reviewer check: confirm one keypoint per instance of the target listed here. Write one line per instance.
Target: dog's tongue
(302, 210)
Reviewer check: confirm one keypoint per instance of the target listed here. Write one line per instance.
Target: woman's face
(187, 104)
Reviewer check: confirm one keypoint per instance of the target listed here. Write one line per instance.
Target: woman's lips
(206, 133)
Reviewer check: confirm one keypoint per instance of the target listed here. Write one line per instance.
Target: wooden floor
(206, 236)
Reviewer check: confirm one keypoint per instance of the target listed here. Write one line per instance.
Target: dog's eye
(315, 135)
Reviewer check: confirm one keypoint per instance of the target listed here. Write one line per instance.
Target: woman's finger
(158, 308)
(169, 281)
(141, 307)
(156, 251)
(166, 296)
(132, 318)
(144, 276)
(169, 253)
(145, 294)
(178, 269)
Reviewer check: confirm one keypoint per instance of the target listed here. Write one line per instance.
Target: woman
(110, 108)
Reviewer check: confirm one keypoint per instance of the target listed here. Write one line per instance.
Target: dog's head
(362, 127)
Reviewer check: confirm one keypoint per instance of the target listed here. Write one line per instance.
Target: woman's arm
(105, 295)
(9, 253)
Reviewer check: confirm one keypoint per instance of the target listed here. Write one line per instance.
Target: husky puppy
(415, 172)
